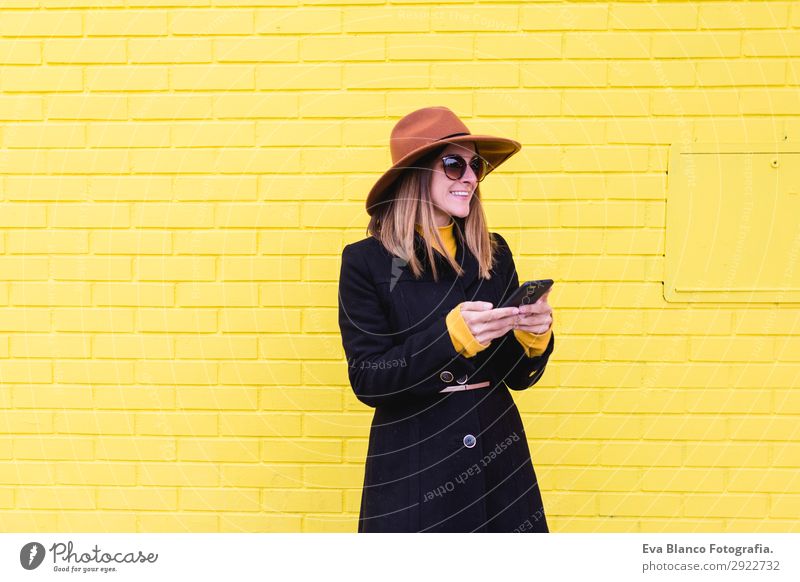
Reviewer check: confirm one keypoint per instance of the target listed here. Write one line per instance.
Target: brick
(131, 346)
(212, 77)
(176, 423)
(128, 136)
(669, 15)
(79, 51)
(21, 473)
(43, 24)
(218, 449)
(298, 21)
(264, 105)
(606, 103)
(133, 242)
(86, 371)
(285, 77)
(137, 448)
(55, 79)
(606, 45)
(494, 74)
(52, 448)
(133, 397)
(133, 294)
(20, 108)
(301, 451)
(564, 74)
(22, 320)
(261, 320)
(175, 268)
(126, 78)
(759, 72)
(426, 47)
(251, 50)
(257, 215)
(20, 52)
(262, 425)
(259, 373)
(176, 320)
(50, 346)
(86, 107)
(170, 215)
(178, 475)
(227, 499)
(226, 242)
(23, 269)
(135, 498)
(34, 136)
(89, 215)
(91, 268)
(126, 23)
(170, 50)
(222, 398)
(213, 347)
(88, 162)
(259, 269)
(209, 22)
(80, 473)
(213, 135)
(215, 188)
(737, 15)
(94, 422)
(297, 295)
(54, 242)
(64, 498)
(695, 45)
(217, 294)
(59, 397)
(170, 107)
(175, 372)
(652, 73)
(305, 501)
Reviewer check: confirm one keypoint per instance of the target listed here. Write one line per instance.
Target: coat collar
(463, 257)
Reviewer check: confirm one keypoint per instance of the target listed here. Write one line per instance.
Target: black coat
(447, 462)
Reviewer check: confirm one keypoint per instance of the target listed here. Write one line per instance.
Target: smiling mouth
(460, 194)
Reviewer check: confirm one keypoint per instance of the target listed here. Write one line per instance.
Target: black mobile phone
(528, 292)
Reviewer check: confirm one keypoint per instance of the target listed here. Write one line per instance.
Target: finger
(475, 306)
(503, 312)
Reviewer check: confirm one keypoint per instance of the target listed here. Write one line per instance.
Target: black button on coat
(421, 474)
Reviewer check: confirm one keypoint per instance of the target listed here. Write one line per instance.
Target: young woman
(430, 350)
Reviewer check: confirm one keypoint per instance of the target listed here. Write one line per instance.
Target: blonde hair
(408, 203)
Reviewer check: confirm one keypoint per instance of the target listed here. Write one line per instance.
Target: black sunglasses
(455, 166)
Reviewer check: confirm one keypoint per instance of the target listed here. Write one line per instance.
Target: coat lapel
(463, 257)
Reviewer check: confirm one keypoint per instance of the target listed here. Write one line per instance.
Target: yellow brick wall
(177, 180)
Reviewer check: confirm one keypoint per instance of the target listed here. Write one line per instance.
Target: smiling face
(452, 197)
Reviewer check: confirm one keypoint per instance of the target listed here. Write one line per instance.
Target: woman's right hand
(486, 323)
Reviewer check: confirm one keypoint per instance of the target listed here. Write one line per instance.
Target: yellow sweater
(460, 334)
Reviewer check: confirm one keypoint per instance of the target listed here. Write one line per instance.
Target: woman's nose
(469, 176)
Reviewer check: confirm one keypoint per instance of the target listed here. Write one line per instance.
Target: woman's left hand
(536, 318)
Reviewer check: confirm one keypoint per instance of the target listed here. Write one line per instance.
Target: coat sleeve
(382, 372)
(519, 370)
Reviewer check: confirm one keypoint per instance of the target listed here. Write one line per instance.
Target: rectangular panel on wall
(733, 223)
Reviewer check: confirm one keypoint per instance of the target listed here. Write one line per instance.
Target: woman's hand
(486, 323)
(535, 318)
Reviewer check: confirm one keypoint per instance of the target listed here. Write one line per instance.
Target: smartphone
(528, 292)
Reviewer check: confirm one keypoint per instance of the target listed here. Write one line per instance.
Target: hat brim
(495, 150)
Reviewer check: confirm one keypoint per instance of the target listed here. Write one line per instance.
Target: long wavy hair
(408, 203)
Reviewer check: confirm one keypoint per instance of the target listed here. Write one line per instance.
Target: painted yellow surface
(177, 180)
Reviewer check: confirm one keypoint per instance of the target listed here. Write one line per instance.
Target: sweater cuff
(461, 336)
(534, 344)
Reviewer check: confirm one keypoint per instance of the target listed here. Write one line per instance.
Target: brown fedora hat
(428, 129)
